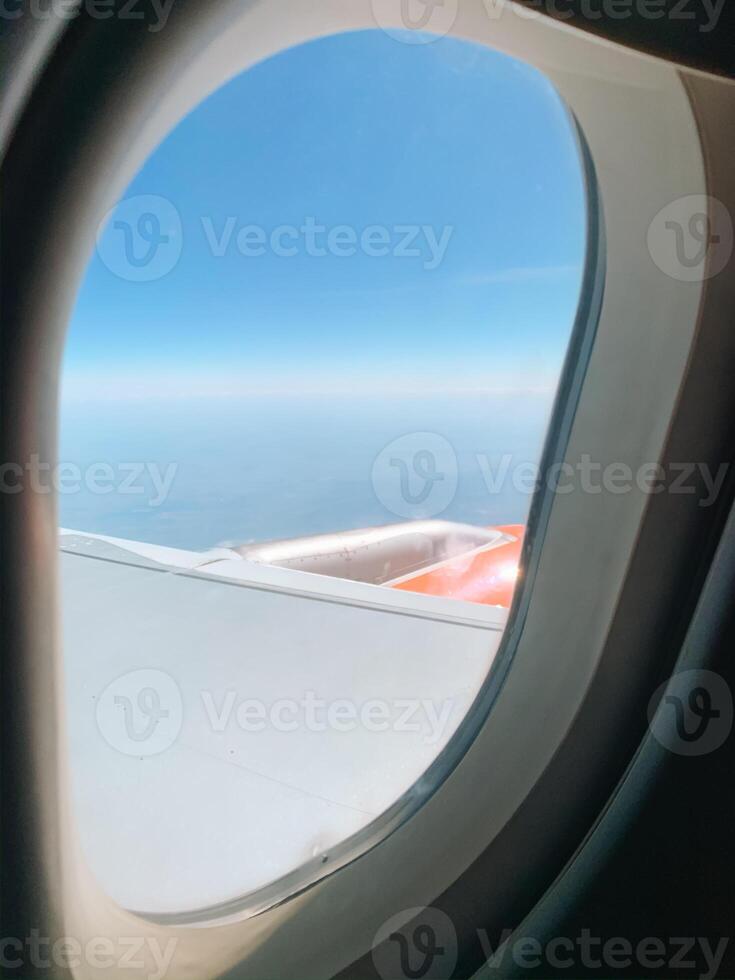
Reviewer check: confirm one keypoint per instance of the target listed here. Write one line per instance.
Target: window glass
(306, 388)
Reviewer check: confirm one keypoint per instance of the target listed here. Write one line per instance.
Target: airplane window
(306, 389)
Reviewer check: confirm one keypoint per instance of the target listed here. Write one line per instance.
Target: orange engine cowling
(487, 575)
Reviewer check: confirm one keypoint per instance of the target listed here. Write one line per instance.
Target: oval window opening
(306, 389)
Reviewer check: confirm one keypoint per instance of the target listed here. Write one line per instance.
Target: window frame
(54, 235)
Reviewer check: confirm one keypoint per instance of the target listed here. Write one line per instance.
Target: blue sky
(273, 383)
(354, 130)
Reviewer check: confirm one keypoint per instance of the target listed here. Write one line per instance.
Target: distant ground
(274, 467)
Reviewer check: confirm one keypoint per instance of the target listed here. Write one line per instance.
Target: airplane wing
(188, 673)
